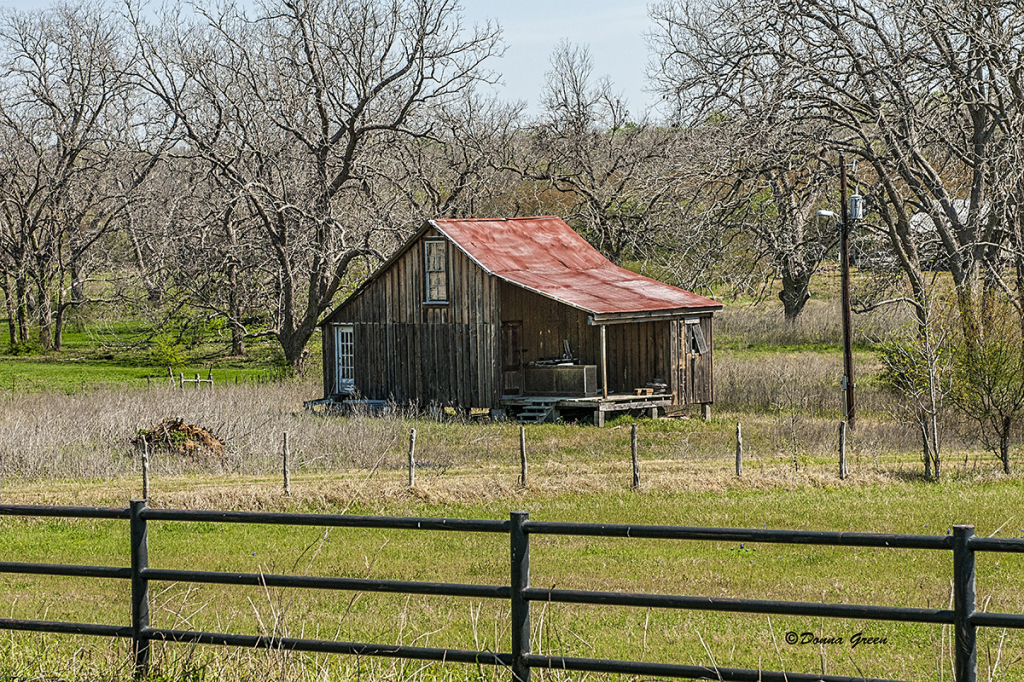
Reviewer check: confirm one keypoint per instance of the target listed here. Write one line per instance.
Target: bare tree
(774, 176)
(922, 92)
(218, 263)
(989, 386)
(74, 152)
(290, 109)
(921, 368)
(614, 170)
(461, 169)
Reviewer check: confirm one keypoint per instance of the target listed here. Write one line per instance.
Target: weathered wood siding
(330, 375)
(546, 324)
(692, 380)
(702, 367)
(412, 351)
(637, 352)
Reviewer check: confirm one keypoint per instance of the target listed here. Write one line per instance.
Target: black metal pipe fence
(520, 660)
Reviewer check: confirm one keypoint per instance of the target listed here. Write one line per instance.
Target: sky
(613, 31)
(532, 29)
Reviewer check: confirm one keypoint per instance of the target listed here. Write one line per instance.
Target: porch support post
(604, 361)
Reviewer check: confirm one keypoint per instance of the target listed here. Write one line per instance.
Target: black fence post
(964, 605)
(520, 577)
(140, 587)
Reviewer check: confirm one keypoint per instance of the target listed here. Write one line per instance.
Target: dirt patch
(177, 437)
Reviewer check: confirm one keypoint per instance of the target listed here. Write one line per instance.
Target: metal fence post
(520, 578)
(964, 605)
(140, 587)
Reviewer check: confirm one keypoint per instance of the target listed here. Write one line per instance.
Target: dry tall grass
(788, 400)
(789, 409)
(763, 326)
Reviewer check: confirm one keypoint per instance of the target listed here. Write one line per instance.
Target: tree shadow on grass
(904, 475)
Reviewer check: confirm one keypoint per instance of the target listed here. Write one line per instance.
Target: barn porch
(540, 409)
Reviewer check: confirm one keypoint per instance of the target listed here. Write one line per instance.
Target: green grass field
(103, 354)
(68, 419)
(802, 573)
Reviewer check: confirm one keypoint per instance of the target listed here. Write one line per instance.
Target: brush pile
(176, 437)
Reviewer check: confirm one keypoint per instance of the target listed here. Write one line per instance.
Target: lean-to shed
(519, 315)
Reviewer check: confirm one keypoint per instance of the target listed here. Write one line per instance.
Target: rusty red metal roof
(547, 256)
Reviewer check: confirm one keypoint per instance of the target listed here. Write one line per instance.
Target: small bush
(166, 352)
(24, 348)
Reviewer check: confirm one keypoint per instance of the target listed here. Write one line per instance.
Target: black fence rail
(520, 660)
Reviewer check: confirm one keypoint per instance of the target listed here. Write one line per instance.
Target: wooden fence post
(284, 465)
(412, 458)
(181, 381)
(197, 381)
(636, 461)
(739, 449)
(522, 456)
(842, 451)
(145, 468)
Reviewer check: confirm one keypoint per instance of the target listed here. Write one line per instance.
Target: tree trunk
(9, 305)
(922, 422)
(44, 313)
(45, 330)
(237, 339)
(293, 343)
(77, 281)
(794, 294)
(21, 303)
(235, 313)
(1004, 444)
(58, 323)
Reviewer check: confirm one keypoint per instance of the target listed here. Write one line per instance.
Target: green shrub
(168, 352)
(24, 348)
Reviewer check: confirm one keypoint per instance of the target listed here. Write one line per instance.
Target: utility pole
(844, 250)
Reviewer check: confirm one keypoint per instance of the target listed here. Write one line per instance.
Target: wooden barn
(520, 316)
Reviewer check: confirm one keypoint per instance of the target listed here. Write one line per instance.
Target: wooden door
(698, 349)
(678, 361)
(511, 358)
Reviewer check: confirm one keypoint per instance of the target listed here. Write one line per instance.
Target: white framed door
(344, 358)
